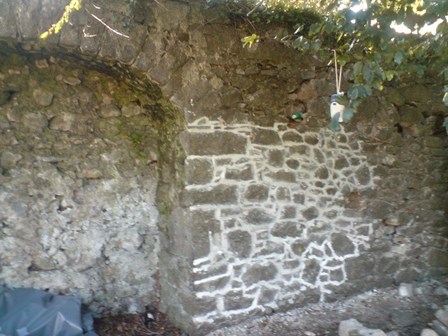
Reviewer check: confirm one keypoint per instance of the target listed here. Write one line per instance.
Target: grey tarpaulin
(31, 312)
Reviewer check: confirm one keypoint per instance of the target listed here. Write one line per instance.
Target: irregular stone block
(237, 300)
(310, 213)
(289, 212)
(204, 305)
(267, 295)
(240, 243)
(204, 225)
(256, 273)
(35, 121)
(216, 143)
(256, 193)
(298, 247)
(283, 176)
(221, 194)
(292, 136)
(283, 194)
(63, 122)
(261, 136)
(109, 111)
(258, 216)
(311, 139)
(43, 97)
(243, 173)
(442, 316)
(276, 158)
(311, 271)
(285, 229)
(322, 173)
(293, 164)
(212, 285)
(211, 271)
(199, 171)
(341, 244)
(363, 175)
(341, 162)
(358, 268)
(9, 160)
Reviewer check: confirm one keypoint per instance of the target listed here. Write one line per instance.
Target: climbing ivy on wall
(380, 41)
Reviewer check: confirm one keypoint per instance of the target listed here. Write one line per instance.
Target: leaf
(445, 99)
(315, 29)
(357, 68)
(390, 74)
(342, 100)
(334, 123)
(348, 114)
(249, 40)
(297, 116)
(398, 58)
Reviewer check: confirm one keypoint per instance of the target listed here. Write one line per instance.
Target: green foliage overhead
(362, 33)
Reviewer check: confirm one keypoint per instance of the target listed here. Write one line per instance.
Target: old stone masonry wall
(268, 210)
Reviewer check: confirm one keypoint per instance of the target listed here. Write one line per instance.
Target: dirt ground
(381, 309)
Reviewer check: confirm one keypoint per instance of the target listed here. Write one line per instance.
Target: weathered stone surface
(237, 300)
(9, 160)
(240, 243)
(261, 136)
(35, 121)
(243, 173)
(256, 193)
(257, 272)
(310, 213)
(258, 216)
(341, 244)
(43, 97)
(311, 271)
(276, 158)
(221, 194)
(63, 122)
(199, 171)
(285, 229)
(216, 143)
(109, 111)
(204, 225)
(291, 136)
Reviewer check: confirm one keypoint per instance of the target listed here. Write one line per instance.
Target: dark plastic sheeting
(31, 312)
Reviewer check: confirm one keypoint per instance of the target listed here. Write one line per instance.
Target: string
(338, 74)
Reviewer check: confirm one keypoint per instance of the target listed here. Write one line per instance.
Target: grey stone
(292, 136)
(212, 285)
(237, 300)
(283, 176)
(9, 160)
(276, 158)
(35, 121)
(322, 173)
(311, 139)
(359, 267)
(440, 328)
(203, 225)
(363, 175)
(63, 122)
(259, 272)
(72, 81)
(199, 171)
(285, 229)
(342, 245)
(216, 143)
(240, 243)
(293, 164)
(298, 247)
(43, 97)
(442, 316)
(258, 216)
(289, 212)
(283, 194)
(311, 271)
(109, 111)
(243, 173)
(256, 193)
(310, 213)
(220, 194)
(131, 110)
(341, 163)
(406, 290)
(428, 332)
(267, 295)
(261, 136)
(204, 305)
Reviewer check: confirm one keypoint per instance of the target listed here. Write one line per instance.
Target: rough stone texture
(332, 213)
(78, 208)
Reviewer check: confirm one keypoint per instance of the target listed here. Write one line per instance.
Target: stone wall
(78, 184)
(255, 213)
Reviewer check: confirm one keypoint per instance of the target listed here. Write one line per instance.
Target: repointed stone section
(257, 273)
(216, 143)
